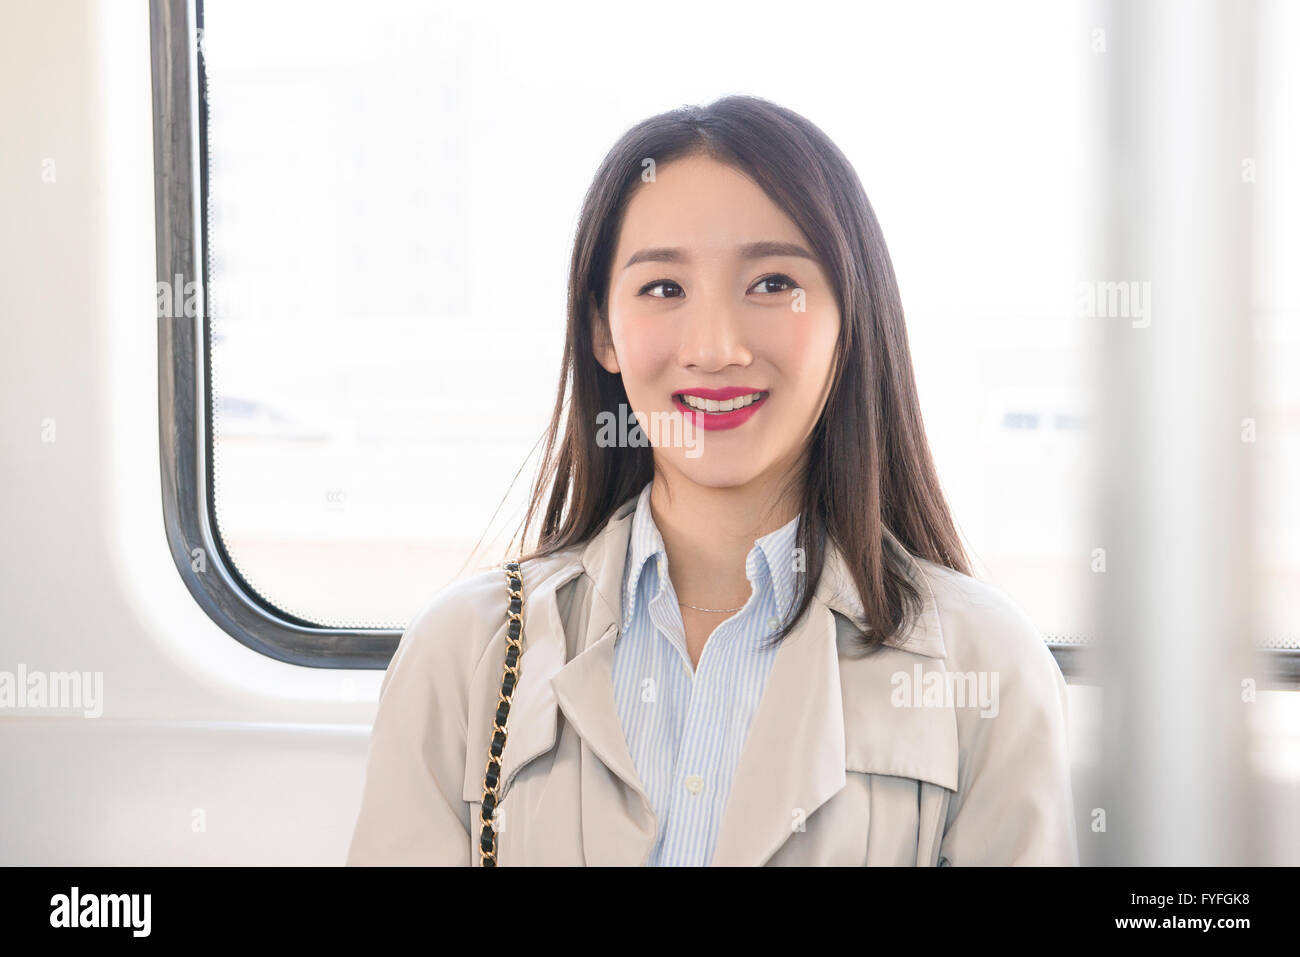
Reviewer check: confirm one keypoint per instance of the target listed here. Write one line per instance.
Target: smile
(720, 408)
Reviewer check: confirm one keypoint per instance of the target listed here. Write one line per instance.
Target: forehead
(699, 203)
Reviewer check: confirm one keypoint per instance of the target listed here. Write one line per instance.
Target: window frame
(184, 399)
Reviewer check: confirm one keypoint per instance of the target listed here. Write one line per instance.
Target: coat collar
(604, 555)
(836, 705)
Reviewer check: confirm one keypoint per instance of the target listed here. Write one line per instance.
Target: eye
(669, 289)
(777, 282)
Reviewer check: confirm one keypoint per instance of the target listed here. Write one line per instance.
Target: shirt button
(694, 784)
(686, 669)
(773, 624)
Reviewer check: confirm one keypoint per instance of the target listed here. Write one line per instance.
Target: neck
(708, 533)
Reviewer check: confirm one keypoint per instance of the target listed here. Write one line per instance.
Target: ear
(602, 345)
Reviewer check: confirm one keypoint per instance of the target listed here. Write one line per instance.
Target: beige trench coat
(846, 762)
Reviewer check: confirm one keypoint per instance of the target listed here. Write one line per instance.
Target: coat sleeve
(1013, 803)
(412, 810)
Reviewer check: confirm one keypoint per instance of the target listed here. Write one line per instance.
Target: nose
(713, 333)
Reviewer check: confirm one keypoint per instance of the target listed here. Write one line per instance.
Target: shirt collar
(773, 554)
(778, 551)
(602, 560)
(645, 543)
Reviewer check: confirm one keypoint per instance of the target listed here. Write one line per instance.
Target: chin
(717, 470)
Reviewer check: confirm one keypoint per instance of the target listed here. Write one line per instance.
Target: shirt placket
(693, 789)
(669, 627)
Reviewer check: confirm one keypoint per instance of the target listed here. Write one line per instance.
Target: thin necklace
(698, 608)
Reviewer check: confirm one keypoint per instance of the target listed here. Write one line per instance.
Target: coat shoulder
(453, 628)
(452, 631)
(983, 628)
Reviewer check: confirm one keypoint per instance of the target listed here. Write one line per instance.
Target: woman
(750, 634)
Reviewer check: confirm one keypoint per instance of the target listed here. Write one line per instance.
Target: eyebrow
(758, 250)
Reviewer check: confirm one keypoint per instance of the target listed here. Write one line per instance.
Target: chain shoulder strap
(510, 677)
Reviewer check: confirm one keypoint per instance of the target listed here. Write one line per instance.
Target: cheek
(645, 351)
(804, 349)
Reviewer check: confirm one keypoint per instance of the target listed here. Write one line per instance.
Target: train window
(387, 192)
(373, 386)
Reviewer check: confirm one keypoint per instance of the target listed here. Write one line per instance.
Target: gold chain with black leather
(509, 679)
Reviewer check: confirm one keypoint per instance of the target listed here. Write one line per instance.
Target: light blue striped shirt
(685, 728)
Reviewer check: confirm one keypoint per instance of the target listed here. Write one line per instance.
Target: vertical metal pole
(1174, 600)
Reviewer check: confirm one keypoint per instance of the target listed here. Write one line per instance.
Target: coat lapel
(618, 821)
(826, 710)
(887, 732)
(531, 727)
(793, 758)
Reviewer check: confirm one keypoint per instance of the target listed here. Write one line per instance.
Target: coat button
(694, 783)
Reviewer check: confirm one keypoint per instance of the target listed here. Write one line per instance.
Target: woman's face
(714, 293)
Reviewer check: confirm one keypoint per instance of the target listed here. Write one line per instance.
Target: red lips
(719, 420)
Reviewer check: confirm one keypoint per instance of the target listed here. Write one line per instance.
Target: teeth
(723, 405)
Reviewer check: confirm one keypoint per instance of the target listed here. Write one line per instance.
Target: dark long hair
(868, 461)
